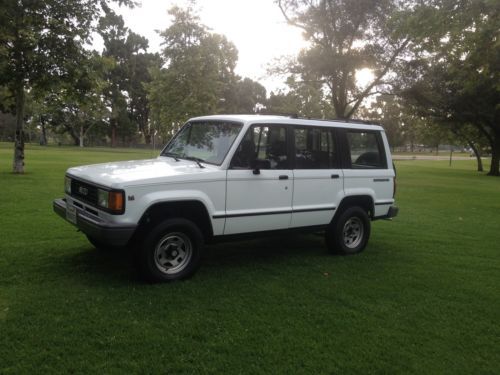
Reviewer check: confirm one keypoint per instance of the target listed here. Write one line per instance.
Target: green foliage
(198, 75)
(198, 65)
(77, 105)
(454, 74)
(403, 126)
(303, 98)
(344, 37)
(7, 125)
(38, 40)
(42, 42)
(243, 96)
(126, 94)
(422, 298)
(398, 124)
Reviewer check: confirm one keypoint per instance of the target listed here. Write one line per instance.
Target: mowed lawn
(423, 298)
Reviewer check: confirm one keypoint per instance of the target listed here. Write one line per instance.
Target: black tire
(349, 232)
(170, 251)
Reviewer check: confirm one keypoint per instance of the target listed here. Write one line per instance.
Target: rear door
(318, 179)
(366, 168)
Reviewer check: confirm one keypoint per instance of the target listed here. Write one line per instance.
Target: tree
(455, 74)
(114, 33)
(126, 92)
(243, 96)
(39, 41)
(77, 106)
(305, 99)
(344, 37)
(198, 73)
(473, 139)
(138, 67)
(390, 112)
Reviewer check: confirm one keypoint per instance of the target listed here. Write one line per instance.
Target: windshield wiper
(195, 159)
(172, 155)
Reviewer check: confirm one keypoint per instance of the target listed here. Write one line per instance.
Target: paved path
(431, 157)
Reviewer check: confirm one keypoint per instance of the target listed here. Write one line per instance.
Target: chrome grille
(84, 191)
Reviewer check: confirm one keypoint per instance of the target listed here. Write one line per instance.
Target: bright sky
(256, 27)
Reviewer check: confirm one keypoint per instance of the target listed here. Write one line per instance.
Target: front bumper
(108, 233)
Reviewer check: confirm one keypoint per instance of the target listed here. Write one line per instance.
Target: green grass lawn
(423, 298)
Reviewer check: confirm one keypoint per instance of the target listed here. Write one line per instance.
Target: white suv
(226, 176)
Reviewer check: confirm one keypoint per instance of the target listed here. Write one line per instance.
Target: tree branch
(299, 25)
(377, 80)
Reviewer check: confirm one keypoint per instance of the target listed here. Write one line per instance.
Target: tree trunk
(146, 132)
(473, 147)
(477, 155)
(82, 134)
(43, 134)
(495, 157)
(18, 163)
(113, 132)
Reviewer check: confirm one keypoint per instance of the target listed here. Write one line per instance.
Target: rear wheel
(170, 251)
(349, 233)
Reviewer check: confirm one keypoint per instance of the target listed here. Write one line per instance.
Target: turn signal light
(115, 201)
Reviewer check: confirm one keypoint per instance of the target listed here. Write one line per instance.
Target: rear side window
(365, 150)
(314, 148)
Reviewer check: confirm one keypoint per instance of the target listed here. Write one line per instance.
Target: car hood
(134, 172)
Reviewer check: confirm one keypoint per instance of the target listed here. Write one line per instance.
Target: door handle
(283, 177)
(335, 176)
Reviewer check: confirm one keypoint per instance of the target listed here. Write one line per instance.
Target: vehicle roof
(274, 119)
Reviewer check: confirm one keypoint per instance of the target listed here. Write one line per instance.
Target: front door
(259, 182)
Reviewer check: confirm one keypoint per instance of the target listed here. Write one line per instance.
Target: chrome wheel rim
(173, 253)
(353, 232)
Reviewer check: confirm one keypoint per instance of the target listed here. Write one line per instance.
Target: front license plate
(71, 214)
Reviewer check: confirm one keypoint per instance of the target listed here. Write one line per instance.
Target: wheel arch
(364, 201)
(190, 209)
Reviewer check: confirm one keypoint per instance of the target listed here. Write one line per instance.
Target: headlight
(67, 185)
(112, 200)
(102, 198)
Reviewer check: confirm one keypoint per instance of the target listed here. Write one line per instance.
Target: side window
(365, 150)
(314, 148)
(266, 144)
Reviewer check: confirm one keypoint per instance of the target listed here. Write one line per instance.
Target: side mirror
(259, 164)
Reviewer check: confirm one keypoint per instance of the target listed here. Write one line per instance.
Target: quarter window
(365, 151)
(314, 148)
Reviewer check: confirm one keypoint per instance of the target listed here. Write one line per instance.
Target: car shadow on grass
(102, 265)
(95, 265)
(265, 250)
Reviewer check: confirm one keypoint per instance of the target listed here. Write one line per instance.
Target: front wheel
(170, 251)
(349, 233)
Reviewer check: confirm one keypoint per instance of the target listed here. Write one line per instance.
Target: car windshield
(204, 141)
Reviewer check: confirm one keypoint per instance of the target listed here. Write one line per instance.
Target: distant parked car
(226, 176)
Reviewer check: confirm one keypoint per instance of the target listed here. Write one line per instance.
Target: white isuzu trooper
(229, 175)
